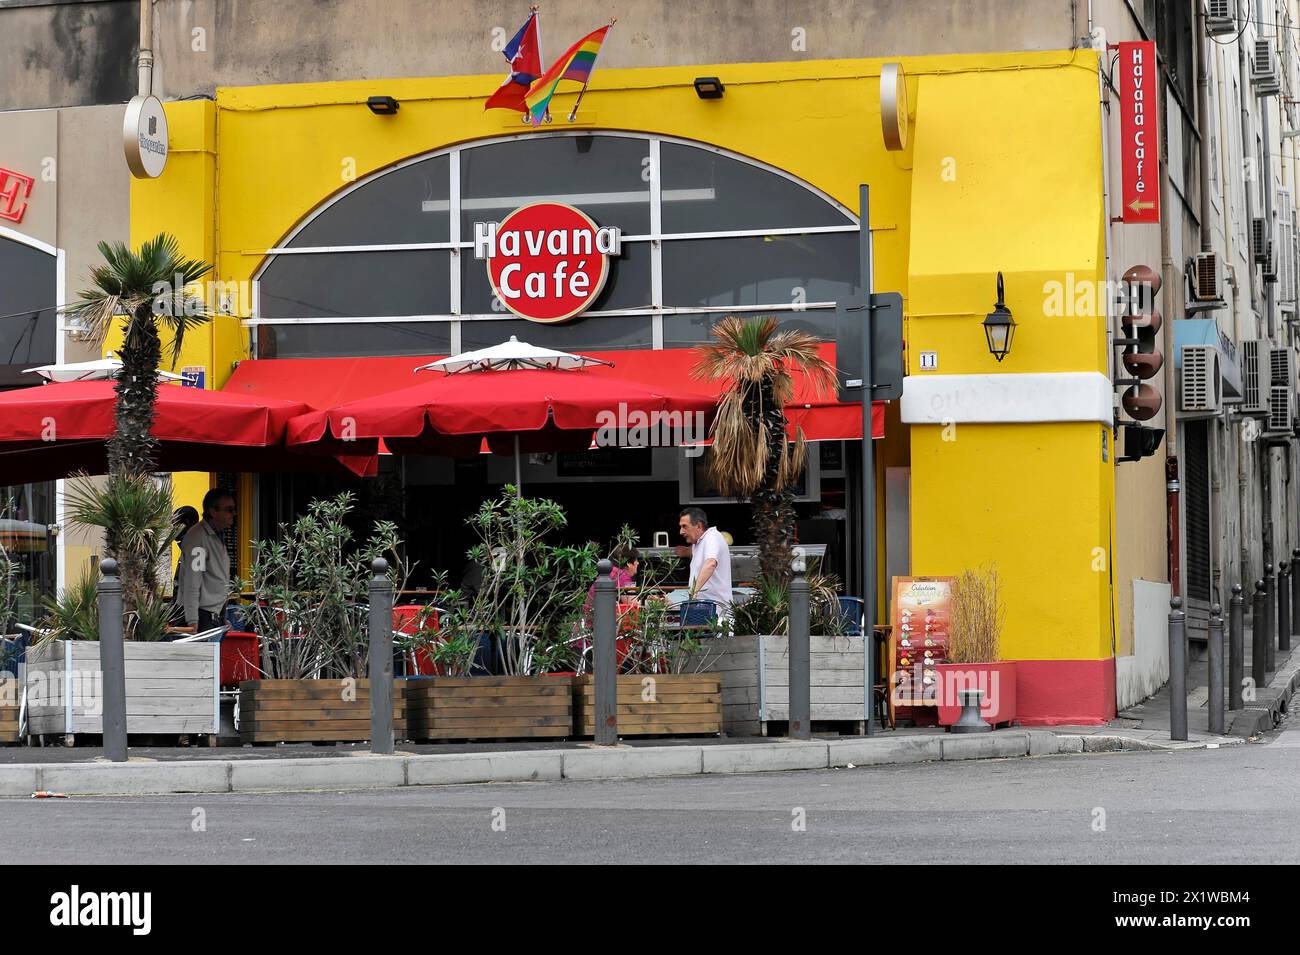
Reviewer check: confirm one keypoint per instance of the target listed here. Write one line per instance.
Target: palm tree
(751, 454)
(149, 290)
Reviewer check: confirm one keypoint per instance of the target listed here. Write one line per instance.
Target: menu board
(921, 615)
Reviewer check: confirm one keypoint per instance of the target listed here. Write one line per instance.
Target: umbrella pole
(519, 546)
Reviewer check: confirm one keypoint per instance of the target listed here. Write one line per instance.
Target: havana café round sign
(547, 261)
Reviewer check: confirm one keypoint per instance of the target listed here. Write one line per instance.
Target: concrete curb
(617, 762)
(1271, 703)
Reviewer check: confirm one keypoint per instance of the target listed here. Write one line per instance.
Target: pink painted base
(1065, 692)
(997, 680)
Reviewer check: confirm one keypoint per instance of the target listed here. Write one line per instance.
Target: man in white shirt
(205, 564)
(710, 560)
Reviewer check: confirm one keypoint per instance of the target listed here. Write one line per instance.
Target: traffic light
(1140, 442)
(1142, 359)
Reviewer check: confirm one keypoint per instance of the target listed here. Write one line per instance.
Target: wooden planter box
(655, 704)
(755, 675)
(10, 703)
(489, 707)
(312, 711)
(170, 688)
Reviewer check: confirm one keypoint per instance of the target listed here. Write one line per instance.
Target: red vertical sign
(1139, 131)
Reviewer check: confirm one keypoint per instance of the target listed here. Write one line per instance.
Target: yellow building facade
(1011, 463)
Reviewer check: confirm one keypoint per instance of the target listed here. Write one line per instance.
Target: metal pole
(1259, 637)
(381, 659)
(1236, 647)
(800, 663)
(1284, 606)
(1216, 669)
(1177, 670)
(604, 666)
(112, 664)
(1295, 590)
(1270, 618)
(868, 465)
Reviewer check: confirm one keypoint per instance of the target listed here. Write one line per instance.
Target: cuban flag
(524, 52)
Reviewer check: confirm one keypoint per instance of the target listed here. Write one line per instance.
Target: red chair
(240, 659)
(407, 619)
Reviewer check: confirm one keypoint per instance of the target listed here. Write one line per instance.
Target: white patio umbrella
(100, 369)
(510, 356)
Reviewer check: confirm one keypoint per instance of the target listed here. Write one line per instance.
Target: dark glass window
(409, 204)
(626, 286)
(344, 284)
(688, 330)
(360, 339)
(760, 270)
(604, 176)
(592, 332)
(28, 295)
(703, 191)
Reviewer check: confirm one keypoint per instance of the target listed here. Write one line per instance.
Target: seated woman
(626, 560)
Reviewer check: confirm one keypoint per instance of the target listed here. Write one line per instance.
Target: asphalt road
(1218, 806)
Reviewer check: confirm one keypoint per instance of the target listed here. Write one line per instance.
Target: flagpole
(541, 61)
(573, 115)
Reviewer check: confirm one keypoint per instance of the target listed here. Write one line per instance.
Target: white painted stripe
(572, 199)
(1023, 398)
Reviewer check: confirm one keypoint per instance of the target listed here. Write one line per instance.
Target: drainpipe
(1168, 278)
(1204, 122)
(1266, 184)
(1246, 575)
(146, 48)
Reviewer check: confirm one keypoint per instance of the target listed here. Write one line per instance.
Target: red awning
(51, 431)
(327, 382)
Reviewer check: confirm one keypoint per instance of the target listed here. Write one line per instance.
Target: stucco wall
(68, 53)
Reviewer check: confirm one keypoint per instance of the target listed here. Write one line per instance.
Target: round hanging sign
(548, 261)
(144, 137)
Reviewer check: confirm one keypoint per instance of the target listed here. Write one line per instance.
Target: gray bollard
(1284, 606)
(1270, 618)
(1259, 637)
(1236, 647)
(381, 659)
(970, 720)
(112, 662)
(1177, 670)
(1216, 669)
(800, 662)
(604, 666)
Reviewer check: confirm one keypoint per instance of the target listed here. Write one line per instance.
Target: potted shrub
(311, 588)
(754, 662)
(526, 606)
(974, 638)
(171, 688)
(662, 686)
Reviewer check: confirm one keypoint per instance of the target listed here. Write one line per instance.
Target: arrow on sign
(1137, 205)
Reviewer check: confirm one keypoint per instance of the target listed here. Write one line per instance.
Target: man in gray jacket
(205, 564)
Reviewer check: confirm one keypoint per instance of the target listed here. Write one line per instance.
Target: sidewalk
(1256, 717)
(24, 771)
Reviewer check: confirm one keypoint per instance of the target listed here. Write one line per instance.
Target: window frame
(457, 243)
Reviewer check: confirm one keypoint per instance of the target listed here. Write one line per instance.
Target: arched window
(28, 300)
(386, 267)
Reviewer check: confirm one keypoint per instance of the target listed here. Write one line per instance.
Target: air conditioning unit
(1259, 240)
(1270, 265)
(1263, 69)
(1200, 391)
(1221, 17)
(1281, 392)
(1254, 377)
(1207, 277)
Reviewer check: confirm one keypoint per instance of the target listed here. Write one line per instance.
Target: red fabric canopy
(50, 431)
(530, 402)
(327, 382)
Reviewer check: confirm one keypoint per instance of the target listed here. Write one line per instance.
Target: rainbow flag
(575, 64)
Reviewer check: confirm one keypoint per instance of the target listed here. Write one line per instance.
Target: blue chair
(852, 610)
(698, 613)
